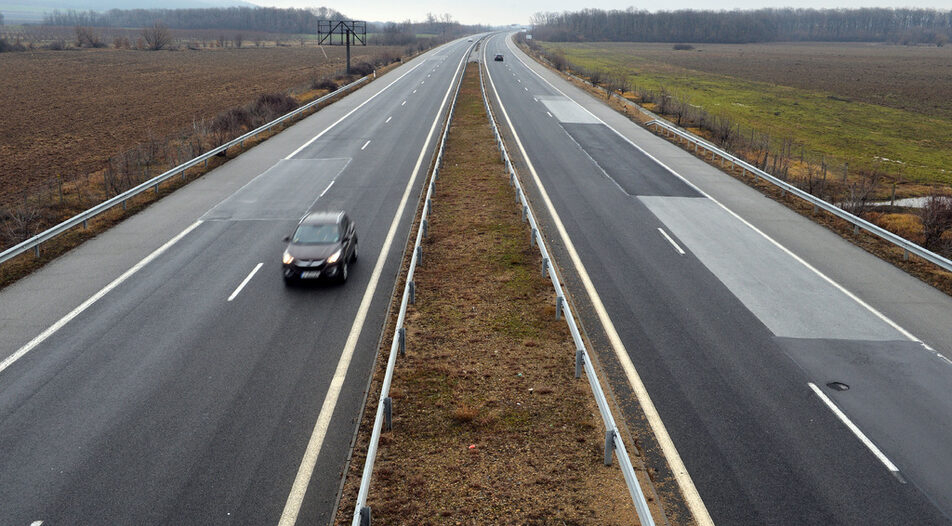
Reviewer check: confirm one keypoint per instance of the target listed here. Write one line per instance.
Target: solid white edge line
(327, 188)
(245, 282)
(365, 145)
(773, 241)
(10, 360)
(852, 427)
(348, 114)
(681, 475)
(298, 489)
(675, 245)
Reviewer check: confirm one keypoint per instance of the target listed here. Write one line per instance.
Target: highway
(740, 320)
(162, 373)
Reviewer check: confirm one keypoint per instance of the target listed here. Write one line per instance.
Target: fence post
(609, 446)
(388, 413)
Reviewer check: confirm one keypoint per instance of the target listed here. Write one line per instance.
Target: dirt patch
(490, 425)
(66, 112)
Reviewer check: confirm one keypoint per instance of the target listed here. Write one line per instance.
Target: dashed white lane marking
(365, 145)
(298, 489)
(549, 114)
(404, 103)
(856, 431)
(388, 119)
(348, 114)
(414, 91)
(675, 245)
(527, 89)
(245, 282)
(670, 451)
(36, 523)
(10, 360)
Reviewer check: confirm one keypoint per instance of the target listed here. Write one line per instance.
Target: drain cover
(838, 386)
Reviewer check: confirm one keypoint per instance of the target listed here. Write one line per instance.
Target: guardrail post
(36, 251)
(609, 446)
(388, 413)
(156, 188)
(426, 228)
(412, 290)
(905, 254)
(419, 256)
(545, 267)
(532, 239)
(518, 193)
(429, 206)
(365, 516)
(525, 212)
(402, 336)
(559, 300)
(433, 188)
(84, 224)
(579, 362)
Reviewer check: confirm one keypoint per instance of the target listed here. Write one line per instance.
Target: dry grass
(490, 426)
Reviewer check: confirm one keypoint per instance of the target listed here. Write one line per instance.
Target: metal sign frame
(327, 29)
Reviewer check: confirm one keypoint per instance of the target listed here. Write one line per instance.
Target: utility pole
(347, 31)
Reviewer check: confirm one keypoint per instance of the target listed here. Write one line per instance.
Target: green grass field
(827, 123)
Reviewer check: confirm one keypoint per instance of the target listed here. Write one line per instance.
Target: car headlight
(287, 258)
(334, 257)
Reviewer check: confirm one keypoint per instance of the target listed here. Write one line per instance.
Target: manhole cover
(838, 386)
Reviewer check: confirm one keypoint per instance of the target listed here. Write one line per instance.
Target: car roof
(322, 217)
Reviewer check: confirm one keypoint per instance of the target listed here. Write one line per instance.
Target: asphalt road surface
(739, 316)
(163, 374)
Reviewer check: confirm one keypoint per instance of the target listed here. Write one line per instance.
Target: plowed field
(65, 112)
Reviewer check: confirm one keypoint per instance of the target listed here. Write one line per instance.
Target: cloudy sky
(497, 12)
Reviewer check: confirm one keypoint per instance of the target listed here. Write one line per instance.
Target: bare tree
(238, 40)
(936, 218)
(86, 37)
(157, 37)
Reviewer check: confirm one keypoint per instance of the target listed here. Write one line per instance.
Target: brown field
(913, 78)
(66, 112)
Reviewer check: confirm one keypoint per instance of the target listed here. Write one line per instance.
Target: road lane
(166, 403)
(718, 338)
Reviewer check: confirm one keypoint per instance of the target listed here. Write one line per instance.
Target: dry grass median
(490, 426)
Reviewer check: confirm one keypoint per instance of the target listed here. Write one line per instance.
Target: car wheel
(353, 256)
(344, 270)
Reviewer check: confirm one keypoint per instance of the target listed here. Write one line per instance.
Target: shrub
(936, 218)
(6, 45)
(682, 47)
(362, 69)
(324, 83)
(270, 106)
(230, 124)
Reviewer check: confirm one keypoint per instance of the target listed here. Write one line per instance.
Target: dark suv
(323, 246)
(498, 57)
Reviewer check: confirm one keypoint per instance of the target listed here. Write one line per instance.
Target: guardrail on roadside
(82, 218)
(399, 344)
(613, 440)
(857, 222)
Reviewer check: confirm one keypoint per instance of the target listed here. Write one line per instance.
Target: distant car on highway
(323, 246)
(470, 40)
(498, 57)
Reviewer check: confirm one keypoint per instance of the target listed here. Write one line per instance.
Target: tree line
(761, 25)
(264, 19)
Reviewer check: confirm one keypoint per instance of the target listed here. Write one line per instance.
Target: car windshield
(316, 234)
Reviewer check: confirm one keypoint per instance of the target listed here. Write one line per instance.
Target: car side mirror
(286, 239)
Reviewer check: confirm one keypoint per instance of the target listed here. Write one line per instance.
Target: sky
(499, 12)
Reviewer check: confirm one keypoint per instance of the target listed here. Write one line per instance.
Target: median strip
(489, 423)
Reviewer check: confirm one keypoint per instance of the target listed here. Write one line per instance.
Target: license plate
(311, 274)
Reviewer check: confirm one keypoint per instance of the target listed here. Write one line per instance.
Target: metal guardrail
(858, 223)
(613, 440)
(82, 218)
(399, 344)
